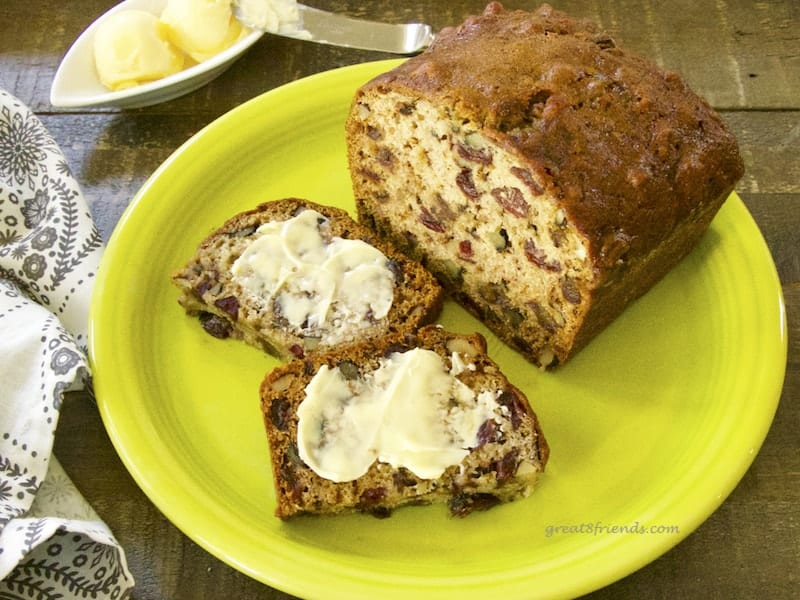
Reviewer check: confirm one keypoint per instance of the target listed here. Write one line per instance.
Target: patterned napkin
(52, 544)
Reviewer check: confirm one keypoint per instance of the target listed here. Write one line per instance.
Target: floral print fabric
(51, 542)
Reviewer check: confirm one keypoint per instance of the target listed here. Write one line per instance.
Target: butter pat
(410, 412)
(274, 16)
(323, 286)
(131, 47)
(201, 28)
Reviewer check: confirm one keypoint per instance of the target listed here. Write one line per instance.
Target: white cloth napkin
(51, 541)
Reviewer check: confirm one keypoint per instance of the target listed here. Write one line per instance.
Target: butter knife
(331, 28)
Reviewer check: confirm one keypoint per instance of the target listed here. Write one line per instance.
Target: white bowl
(76, 83)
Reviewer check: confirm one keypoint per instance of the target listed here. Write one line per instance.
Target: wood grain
(743, 56)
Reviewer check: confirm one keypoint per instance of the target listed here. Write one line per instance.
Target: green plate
(651, 426)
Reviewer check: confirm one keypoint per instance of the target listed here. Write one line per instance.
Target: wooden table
(743, 56)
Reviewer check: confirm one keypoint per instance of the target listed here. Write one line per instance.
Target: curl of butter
(202, 28)
(131, 47)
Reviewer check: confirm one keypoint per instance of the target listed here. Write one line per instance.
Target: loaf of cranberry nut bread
(292, 277)
(408, 419)
(546, 176)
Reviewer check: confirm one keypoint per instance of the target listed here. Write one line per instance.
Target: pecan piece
(403, 478)
(406, 108)
(543, 317)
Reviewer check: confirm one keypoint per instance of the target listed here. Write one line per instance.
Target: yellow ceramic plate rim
(651, 426)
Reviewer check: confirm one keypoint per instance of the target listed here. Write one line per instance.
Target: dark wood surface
(743, 56)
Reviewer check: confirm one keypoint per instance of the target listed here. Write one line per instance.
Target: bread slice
(500, 455)
(229, 301)
(546, 176)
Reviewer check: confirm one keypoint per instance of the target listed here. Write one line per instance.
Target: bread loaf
(291, 290)
(407, 419)
(546, 176)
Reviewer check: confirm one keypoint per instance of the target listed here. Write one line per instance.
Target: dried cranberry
(228, 304)
(215, 325)
(279, 411)
(478, 155)
(525, 176)
(570, 291)
(461, 504)
(513, 404)
(487, 432)
(427, 219)
(371, 496)
(465, 250)
(385, 157)
(539, 258)
(505, 467)
(467, 185)
(512, 200)
(202, 286)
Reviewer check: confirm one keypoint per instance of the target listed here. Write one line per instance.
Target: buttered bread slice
(293, 277)
(408, 419)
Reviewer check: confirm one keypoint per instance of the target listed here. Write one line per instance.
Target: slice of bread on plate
(406, 419)
(292, 277)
